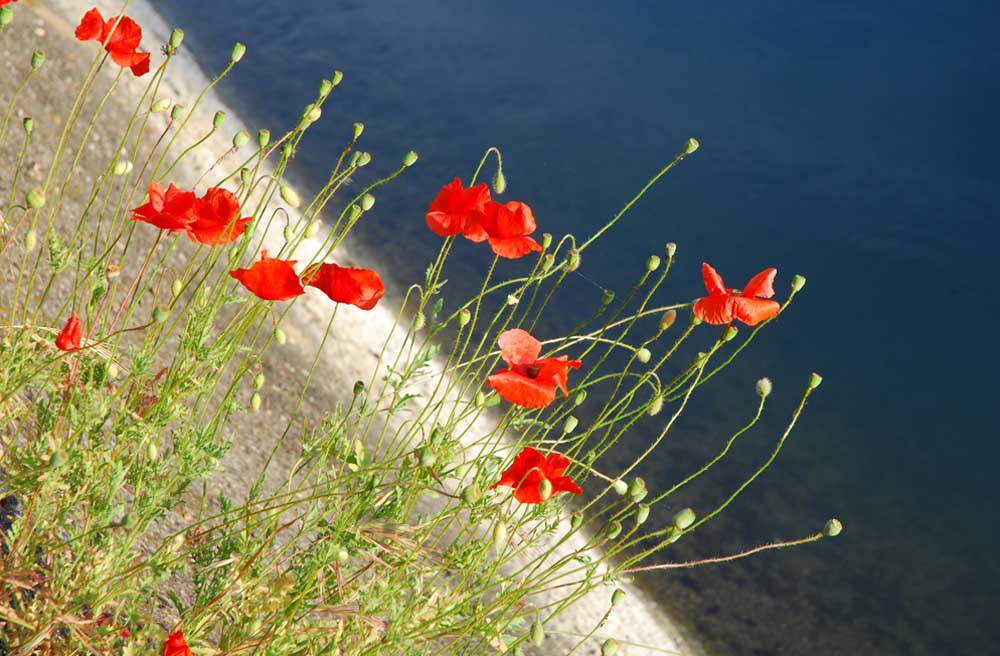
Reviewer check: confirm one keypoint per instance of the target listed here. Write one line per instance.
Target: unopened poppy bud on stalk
(279, 336)
(255, 401)
(683, 519)
(29, 125)
(617, 597)
(499, 535)
(655, 406)
(728, 333)
(620, 487)
(642, 514)
(614, 530)
(312, 229)
(471, 494)
(643, 355)
(218, 119)
(653, 263)
(358, 129)
(238, 51)
(537, 633)
(670, 248)
(37, 59)
(359, 388)
(245, 175)
(177, 113)
(364, 159)
(814, 380)
(637, 489)
(607, 297)
(570, 424)
(798, 282)
(576, 520)
(176, 286)
(258, 381)
(367, 202)
(152, 451)
(464, 317)
(573, 260)
(311, 114)
(668, 319)
(410, 158)
(337, 77)
(833, 528)
(161, 105)
(579, 397)
(290, 196)
(240, 139)
(764, 387)
(160, 314)
(325, 87)
(419, 320)
(121, 167)
(691, 146)
(610, 647)
(545, 489)
(176, 37)
(6, 16)
(35, 199)
(499, 182)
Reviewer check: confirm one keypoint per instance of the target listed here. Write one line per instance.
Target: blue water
(853, 142)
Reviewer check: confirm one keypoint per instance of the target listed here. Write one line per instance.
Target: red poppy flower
(119, 40)
(528, 471)
(456, 209)
(176, 645)
(360, 287)
(70, 337)
(6, 2)
(271, 279)
(168, 210)
(723, 306)
(507, 227)
(529, 382)
(217, 218)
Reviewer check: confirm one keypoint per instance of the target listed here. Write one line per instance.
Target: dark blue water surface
(853, 142)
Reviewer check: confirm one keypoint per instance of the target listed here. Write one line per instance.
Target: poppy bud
(176, 112)
(367, 202)
(537, 633)
(359, 387)
(512, 300)
(570, 425)
(419, 320)
(573, 260)
(499, 182)
(671, 248)
(728, 333)
(547, 261)
(258, 381)
(113, 371)
(312, 113)
(683, 519)
(161, 105)
(764, 387)
(6, 16)
(833, 528)
(312, 229)
(358, 129)
(545, 489)
(121, 167)
(279, 336)
(814, 380)
(238, 51)
(480, 399)
(35, 199)
(176, 286)
(160, 314)
(426, 457)
(653, 263)
(245, 175)
(546, 240)
(30, 241)
(37, 59)
(255, 401)
(637, 489)
(607, 298)
(576, 520)
(579, 397)
(464, 317)
(353, 213)
(176, 37)
(668, 319)
(29, 125)
(642, 514)
(691, 146)
(655, 406)
(263, 137)
(620, 487)
(217, 120)
(342, 555)
(325, 87)
(240, 139)
(290, 196)
(614, 530)
(364, 159)
(410, 158)
(643, 355)
(617, 597)
(610, 647)
(499, 535)
(471, 494)
(337, 77)
(798, 282)
(152, 451)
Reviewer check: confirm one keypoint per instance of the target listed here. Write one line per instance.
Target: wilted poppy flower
(70, 337)
(360, 287)
(217, 218)
(507, 227)
(456, 208)
(528, 471)
(168, 210)
(529, 382)
(176, 645)
(121, 43)
(271, 279)
(724, 306)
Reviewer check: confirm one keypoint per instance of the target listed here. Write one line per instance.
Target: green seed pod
(610, 647)
(160, 314)
(499, 182)
(152, 451)
(337, 77)
(537, 633)
(29, 125)
(160, 106)
(240, 139)
(410, 158)
(570, 424)
(655, 406)
(37, 59)
(548, 261)
(238, 51)
(764, 387)
(358, 129)
(353, 213)
(176, 287)
(245, 175)
(607, 298)
(576, 520)
(579, 397)
(617, 597)
(545, 489)
(729, 333)
(30, 241)
(670, 248)
(833, 528)
(691, 146)
(255, 401)
(289, 195)
(312, 229)
(359, 387)
(643, 355)
(218, 119)
(288, 233)
(653, 263)
(121, 167)
(426, 457)
(279, 336)
(35, 199)
(798, 282)
(642, 514)
(573, 260)
(683, 519)
(464, 317)
(177, 113)
(258, 381)
(471, 494)
(815, 380)
(325, 87)
(263, 137)
(176, 37)
(546, 239)
(668, 319)
(6, 16)
(367, 202)
(312, 113)
(620, 487)
(614, 530)
(637, 489)
(499, 535)
(419, 320)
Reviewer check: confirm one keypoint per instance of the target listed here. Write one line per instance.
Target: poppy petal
(512, 219)
(455, 207)
(713, 281)
(518, 347)
(91, 26)
(362, 288)
(444, 224)
(556, 464)
(514, 247)
(529, 489)
(555, 371)
(716, 310)
(527, 459)
(565, 484)
(71, 336)
(271, 279)
(752, 311)
(521, 390)
(761, 285)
